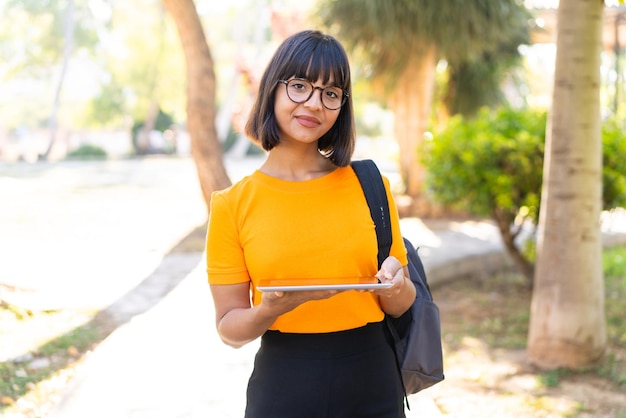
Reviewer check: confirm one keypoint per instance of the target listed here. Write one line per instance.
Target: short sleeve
(224, 253)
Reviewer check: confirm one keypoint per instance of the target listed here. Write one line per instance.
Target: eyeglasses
(300, 90)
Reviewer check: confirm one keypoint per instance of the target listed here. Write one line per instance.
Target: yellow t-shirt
(263, 227)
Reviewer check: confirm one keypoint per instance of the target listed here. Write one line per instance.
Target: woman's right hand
(238, 322)
(283, 302)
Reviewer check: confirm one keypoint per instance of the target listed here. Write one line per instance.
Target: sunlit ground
(84, 233)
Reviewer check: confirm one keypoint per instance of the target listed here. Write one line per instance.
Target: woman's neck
(296, 166)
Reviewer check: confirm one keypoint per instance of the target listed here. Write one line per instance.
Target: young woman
(324, 353)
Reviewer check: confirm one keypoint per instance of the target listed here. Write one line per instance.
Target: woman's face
(303, 122)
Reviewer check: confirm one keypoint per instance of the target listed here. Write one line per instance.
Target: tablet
(293, 285)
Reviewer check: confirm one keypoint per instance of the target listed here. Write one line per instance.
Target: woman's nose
(315, 100)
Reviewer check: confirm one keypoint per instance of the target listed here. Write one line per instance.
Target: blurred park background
(79, 75)
(95, 92)
(117, 119)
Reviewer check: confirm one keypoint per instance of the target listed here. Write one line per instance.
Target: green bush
(492, 165)
(87, 152)
(614, 169)
(493, 162)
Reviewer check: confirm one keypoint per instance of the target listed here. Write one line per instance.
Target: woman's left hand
(397, 298)
(391, 271)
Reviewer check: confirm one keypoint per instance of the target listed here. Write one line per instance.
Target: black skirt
(346, 374)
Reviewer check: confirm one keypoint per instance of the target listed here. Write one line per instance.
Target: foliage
(474, 83)
(614, 171)
(491, 162)
(614, 261)
(41, 25)
(552, 378)
(87, 152)
(108, 107)
(478, 40)
(149, 66)
(495, 162)
(492, 166)
(614, 267)
(391, 32)
(123, 61)
(163, 122)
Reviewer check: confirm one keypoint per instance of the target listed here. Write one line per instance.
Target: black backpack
(417, 333)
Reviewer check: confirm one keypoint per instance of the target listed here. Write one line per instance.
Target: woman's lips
(308, 121)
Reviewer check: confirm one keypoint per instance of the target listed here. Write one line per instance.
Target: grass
(485, 326)
(552, 378)
(27, 373)
(481, 311)
(502, 322)
(614, 364)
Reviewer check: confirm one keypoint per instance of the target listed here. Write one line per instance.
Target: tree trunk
(143, 135)
(567, 323)
(205, 146)
(68, 48)
(411, 103)
(504, 221)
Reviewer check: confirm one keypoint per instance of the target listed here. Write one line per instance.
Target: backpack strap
(376, 195)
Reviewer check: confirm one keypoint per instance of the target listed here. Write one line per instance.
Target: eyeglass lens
(300, 91)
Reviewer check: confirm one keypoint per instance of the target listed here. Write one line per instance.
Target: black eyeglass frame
(344, 97)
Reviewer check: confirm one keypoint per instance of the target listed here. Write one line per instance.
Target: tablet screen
(292, 285)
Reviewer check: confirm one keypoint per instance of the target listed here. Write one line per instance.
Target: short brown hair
(310, 55)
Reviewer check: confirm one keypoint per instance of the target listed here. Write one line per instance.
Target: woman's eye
(332, 94)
